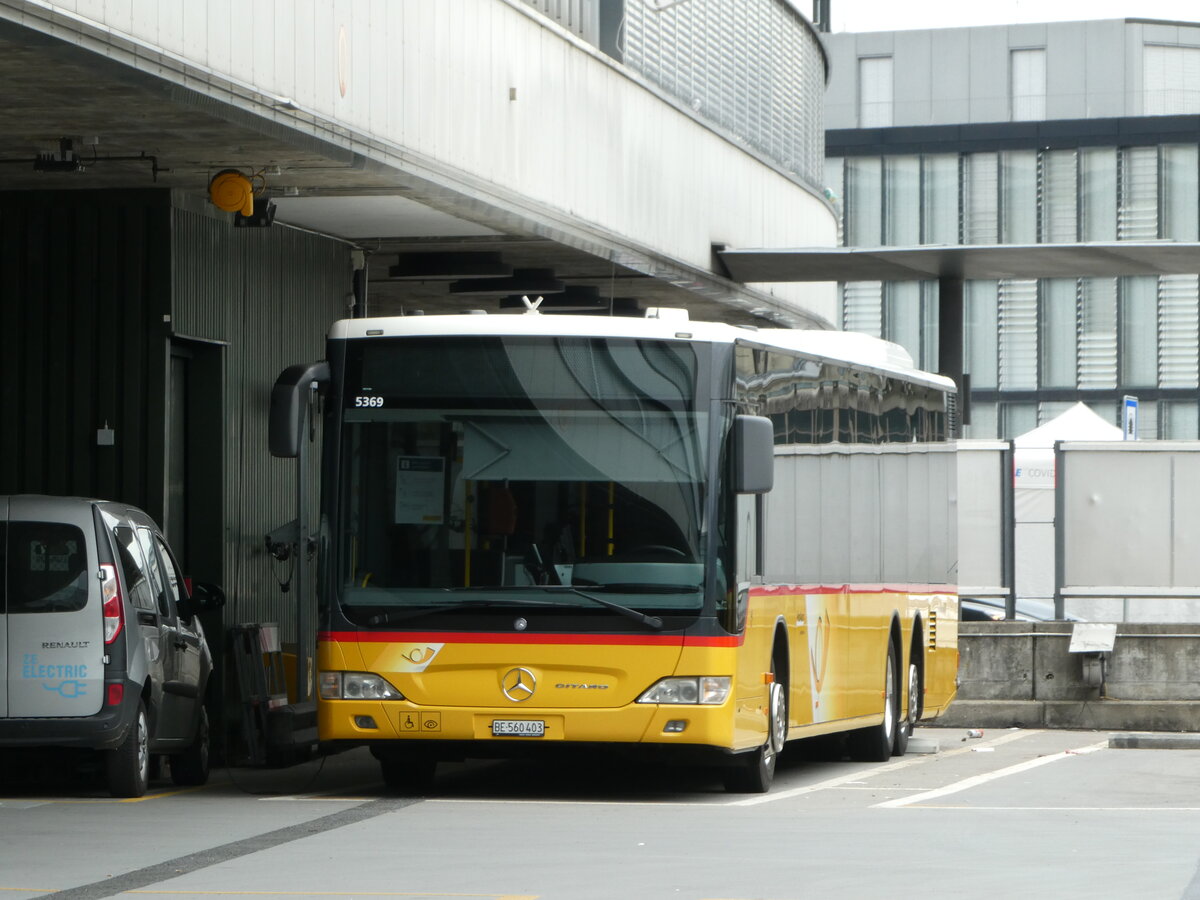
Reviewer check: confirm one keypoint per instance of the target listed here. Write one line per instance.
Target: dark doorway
(195, 493)
(195, 458)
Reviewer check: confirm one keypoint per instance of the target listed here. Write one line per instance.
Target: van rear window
(46, 568)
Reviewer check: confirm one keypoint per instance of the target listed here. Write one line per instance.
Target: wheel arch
(782, 652)
(147, 696)
(895, 635)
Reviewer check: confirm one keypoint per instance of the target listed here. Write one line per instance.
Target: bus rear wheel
(753, 772)
(876, 743)
(909, 721)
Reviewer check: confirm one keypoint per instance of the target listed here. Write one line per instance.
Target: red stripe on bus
(458, 637)
(789, 589)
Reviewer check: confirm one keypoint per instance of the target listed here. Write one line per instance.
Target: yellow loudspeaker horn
(231, 191)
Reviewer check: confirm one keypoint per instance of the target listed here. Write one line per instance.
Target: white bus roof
(858, 350)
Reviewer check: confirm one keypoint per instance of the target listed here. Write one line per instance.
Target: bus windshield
(521, 471)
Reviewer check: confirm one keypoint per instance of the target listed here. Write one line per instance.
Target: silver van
(100, 644)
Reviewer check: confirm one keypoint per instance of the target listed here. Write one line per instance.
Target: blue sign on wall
(1130, 418)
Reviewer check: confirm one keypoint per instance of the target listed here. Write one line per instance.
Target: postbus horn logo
(820, 653)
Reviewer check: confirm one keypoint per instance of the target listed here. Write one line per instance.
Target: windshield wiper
(649, 621)
(405, 614)
(640, 587)
(402, 615)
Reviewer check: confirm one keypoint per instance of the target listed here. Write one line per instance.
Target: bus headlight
(706, 689)
(356, 686)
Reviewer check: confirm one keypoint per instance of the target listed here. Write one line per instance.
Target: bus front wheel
(752, 773)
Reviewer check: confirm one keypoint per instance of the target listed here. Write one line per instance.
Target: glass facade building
(1033, 347)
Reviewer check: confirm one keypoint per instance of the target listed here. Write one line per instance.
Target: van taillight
(114, 609)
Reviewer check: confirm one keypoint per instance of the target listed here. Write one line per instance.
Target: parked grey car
(100, 644)
(992, 609)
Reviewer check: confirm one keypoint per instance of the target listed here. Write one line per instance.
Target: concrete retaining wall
(1023, 674)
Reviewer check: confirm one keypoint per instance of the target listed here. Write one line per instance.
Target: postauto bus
(626, 534)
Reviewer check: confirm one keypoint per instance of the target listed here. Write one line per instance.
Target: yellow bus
(641, 535)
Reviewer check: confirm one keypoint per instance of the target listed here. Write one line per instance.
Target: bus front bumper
(638, 723)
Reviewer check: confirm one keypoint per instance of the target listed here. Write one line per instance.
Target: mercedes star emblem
(518, 684)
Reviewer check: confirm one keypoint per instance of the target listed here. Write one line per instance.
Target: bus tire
(876, 743)
(908, 721)
(753, 773)
(408, 775)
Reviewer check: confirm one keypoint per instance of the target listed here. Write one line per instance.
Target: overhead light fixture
(232, 191)
(442, 265)
(576, 298)
(522, 281)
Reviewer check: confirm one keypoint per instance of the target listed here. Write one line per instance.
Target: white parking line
(842, 782)
(1063, 809)
(976, 780)
(859, 774)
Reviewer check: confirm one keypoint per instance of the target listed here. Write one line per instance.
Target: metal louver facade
(1113, 154)
(1179, 331)
(1098, 334)
(1018, 334)
(581, 17)
(1137, 209)
(1042, 343)
(862, 307)
(753, 68)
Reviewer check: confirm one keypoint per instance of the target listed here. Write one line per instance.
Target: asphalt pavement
(1002, 813)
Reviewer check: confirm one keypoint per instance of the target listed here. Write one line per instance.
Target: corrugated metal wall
(271, 294)
(83, 288)
(96, 287)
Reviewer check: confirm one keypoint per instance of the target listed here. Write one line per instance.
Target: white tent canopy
(1033, 493)
(1079, 423)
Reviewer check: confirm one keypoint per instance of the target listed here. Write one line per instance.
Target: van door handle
(147, 618)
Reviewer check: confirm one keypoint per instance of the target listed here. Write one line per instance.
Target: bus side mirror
(289, 400)
(753, 454)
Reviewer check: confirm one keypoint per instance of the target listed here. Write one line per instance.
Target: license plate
(518, 728)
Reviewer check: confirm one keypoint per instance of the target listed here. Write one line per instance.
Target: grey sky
(893, 15)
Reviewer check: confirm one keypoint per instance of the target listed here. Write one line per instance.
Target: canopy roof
(1096, 259)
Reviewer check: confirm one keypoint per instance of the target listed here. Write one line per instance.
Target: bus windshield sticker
(420, 489)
